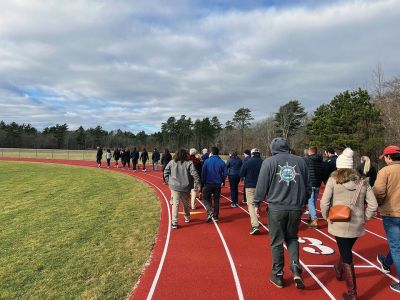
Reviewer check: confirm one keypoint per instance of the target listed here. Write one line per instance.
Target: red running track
(222, 261)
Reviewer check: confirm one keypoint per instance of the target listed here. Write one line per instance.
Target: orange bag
(342, 213)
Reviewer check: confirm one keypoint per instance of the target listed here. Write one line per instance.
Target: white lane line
(231, 262)
(331, 266)
(301, 262)
(356, 254)
(228, 253)
(164, 254)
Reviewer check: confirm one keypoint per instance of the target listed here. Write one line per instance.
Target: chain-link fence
(49, 153)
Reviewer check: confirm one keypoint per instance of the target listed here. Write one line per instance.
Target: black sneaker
(381, 260)
(254, 230)
(209, 218)
(395, 287)
(215, 219)
(277, 280)
(174, 226)
(244, 201)
(296, 270)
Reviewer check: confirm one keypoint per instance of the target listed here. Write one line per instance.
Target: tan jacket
(343, 194)
(387, 190)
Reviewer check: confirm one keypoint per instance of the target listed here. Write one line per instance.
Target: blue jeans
(312, 203)
(392, 229)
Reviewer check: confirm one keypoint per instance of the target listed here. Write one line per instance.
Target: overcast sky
(132, 64)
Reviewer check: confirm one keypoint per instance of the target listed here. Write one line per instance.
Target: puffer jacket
(342, 194)
(315, 169)
(387, 190)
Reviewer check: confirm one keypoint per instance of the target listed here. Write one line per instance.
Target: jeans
(155, 165)
(283, 227)
(215, 190)
(312, 203)
(234, 187)
(392, 229)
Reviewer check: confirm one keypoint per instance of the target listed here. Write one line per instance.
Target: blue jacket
(233, 165)
(213, 171)
(250, 170)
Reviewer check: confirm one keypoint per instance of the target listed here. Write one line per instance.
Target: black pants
(345, 246)
(134, 164)
(283, 227)
(215, 191)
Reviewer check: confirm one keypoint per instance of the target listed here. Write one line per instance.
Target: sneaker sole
(381, 268)
(278, 286)
(299, 283)
(253, 232)
(393, 289)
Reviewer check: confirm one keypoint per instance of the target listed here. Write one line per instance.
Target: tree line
(351, 119)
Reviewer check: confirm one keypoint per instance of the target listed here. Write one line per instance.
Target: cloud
(131, 66)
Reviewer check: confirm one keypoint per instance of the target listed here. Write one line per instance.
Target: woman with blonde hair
(367, 170)
(345, 187)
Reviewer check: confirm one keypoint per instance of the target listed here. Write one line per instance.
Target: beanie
(345, 160)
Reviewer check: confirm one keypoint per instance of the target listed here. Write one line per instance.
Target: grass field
(72, 233)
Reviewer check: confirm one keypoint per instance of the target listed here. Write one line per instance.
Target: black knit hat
(247, 152)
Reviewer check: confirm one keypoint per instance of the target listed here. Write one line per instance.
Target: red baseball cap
(390, 150)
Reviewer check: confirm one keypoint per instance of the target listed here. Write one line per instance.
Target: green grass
(72, 233)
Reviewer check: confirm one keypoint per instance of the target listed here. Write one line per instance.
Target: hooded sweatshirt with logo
(283, 179)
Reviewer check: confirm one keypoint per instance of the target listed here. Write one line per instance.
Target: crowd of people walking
(290, 185)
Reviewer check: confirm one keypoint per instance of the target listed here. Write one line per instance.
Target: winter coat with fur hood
(342, 194)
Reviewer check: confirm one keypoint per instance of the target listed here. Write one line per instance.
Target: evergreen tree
(289, 118)
(349, 120)
(242, 120)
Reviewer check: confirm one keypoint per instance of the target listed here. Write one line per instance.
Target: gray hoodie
(283, 179)
(179, 176)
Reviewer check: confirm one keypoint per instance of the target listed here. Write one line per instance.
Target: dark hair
(214, 150)
(144, 150)
(330, 150)
(181, 155)
(166, 151)
(234, 154)
(394, 156)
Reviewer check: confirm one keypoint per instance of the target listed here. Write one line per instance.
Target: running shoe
(313, 224)
(215, 219)
(395, 287)
(209, 218)
(187, 220)
(254, 230)
(381, 260)
(277, 280)
(234, 205)
(174, 226)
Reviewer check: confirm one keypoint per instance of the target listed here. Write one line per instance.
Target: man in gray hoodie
(284, 181)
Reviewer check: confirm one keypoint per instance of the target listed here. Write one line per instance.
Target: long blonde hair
(367, 164)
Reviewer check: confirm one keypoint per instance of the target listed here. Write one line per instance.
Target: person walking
(233, 166)
(213, 176)
(197, 165)
(144, 156)
(155, 158)
(123, 158)
(135, 158)
(165, 159)
(108, 158)
(116, 156)
(345, 187)
(316, 172)
(179, 173)
(99, 156)
(246, 156)
(127, 154)
(367, 170)
(283, 179)
(250, 171)
(330, 162)
(387, 192)
(204, 155)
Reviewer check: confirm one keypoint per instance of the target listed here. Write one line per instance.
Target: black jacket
(316, 170)
(329, 167)
(371, 173)
(250, 171)
(135, 155)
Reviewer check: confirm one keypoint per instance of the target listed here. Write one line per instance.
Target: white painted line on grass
(164, 254)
